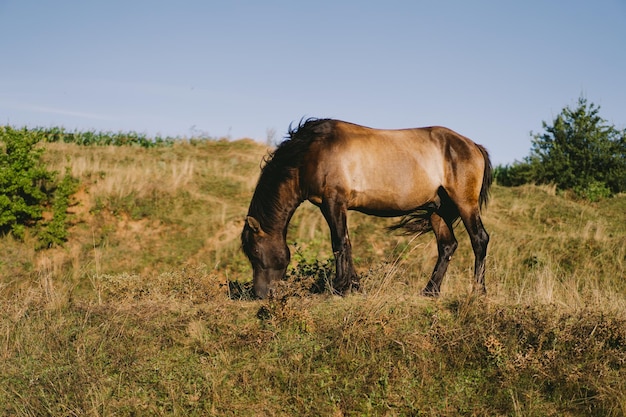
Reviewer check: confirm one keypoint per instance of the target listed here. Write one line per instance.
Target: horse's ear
(254, 224)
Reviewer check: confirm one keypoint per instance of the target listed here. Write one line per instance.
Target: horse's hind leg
(480, 239)
(446, 245)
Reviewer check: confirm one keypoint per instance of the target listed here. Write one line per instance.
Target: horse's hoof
(343, 290)
(479, 290)
(430, 293)
(335, 291)
(340, 291)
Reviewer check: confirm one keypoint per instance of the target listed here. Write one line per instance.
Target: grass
(146, 310)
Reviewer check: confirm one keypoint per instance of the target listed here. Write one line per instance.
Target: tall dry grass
(544, 249)
(146, 309)
(118, 172)
(142, 210)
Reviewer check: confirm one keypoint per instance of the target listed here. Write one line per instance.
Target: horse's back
(384, 170)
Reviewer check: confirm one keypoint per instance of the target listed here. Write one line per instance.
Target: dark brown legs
(334, 212)
(447, 244)
(345, 277)
(480, 239)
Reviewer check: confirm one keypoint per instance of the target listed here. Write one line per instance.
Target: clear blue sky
(492, 70)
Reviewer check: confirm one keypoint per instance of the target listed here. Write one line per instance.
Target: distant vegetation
(95, 138)
(579, 151)
(123, 289)
(28, 189)
(145, 308)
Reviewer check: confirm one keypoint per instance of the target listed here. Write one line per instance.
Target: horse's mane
(282, 165)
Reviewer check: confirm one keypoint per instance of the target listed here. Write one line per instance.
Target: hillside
(146, 309)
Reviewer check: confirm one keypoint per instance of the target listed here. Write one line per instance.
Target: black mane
(281, 165)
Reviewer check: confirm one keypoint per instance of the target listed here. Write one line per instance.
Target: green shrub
(314, 274)
(23, 180)
(513, 175)
(579, 151)
(594, 191)
(27, 188)
(94, 138)
(55, 231)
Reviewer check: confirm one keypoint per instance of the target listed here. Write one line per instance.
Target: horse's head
(268, 254)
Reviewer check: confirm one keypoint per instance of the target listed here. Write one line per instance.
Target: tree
(579, 151)
(27, 188)
(22, 180)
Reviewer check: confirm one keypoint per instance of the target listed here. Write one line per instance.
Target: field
(146, 310)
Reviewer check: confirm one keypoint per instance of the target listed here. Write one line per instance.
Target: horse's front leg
(335, 213)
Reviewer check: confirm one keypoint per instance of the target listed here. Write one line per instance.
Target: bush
(27, 188)
(55, 232)
(23, 180)
(579, 151)
(93, 138)
(513, 175)
(594, 191)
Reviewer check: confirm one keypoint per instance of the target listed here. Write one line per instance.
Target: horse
(429, 177)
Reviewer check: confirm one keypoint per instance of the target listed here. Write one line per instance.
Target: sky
(491, 70)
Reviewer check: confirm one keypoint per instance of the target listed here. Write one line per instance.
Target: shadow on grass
(242, 291)
(303, 280)
(289, 287)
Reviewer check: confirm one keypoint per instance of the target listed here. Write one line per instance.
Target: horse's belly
(398, 195)
(389, 181)
(384, 201)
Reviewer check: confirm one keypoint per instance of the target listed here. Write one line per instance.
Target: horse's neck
(278, 214)
(290, 201)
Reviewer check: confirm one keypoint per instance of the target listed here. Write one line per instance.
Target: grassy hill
(146, 309)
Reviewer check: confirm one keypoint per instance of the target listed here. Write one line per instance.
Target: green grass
(146, 310)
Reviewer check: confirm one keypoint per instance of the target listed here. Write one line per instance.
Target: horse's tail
(483, 199)
(414, 223)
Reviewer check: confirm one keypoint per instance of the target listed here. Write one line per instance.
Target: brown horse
(431, 176)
